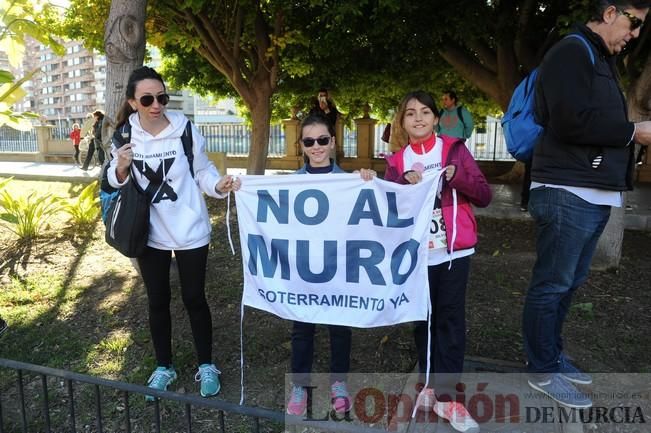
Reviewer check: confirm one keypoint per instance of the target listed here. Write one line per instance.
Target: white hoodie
(178, 215)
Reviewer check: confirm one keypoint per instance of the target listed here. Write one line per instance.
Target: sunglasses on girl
(147, 100)
(635, 21)
(323, 140)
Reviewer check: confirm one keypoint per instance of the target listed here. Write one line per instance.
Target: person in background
(454, 119)
(581, 166)
(75, 136)
(386, 134)
(96, 143)
(317, 138)
(3, 326)
(325, 107)
(179, 221)
(453, 236)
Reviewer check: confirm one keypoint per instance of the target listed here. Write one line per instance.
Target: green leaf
(6, 76)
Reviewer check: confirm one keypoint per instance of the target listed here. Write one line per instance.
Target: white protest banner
(334, 249)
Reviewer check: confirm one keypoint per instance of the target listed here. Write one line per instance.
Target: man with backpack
(454, 120)
(582, 163)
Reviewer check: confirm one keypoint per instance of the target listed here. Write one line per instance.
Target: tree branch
(485, 53)
(238, 18)
(212, 34)
(525, 55)
(275, 60)
(472, 71)
(261, 36)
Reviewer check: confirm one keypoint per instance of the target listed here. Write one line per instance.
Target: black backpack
(122, 136)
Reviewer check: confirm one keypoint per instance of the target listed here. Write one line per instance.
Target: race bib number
(437, 236)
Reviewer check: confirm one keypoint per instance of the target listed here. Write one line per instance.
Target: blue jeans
(568, 229)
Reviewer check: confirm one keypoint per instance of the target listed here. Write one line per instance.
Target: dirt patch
(606, 331)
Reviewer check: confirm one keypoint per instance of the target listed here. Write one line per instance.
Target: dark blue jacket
(587, 137)
(335, 169)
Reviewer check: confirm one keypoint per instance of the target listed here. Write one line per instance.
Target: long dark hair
(316, 119)
(142, 73)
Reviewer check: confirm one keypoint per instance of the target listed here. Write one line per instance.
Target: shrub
(84, 209)
(26, 216)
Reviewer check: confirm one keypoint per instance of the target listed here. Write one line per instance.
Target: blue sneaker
(562, 391)
(208, 375)
(160, 379)
(571, 373)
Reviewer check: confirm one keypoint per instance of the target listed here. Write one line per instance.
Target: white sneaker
(456, 413)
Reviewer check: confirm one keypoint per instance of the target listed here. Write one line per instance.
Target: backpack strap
(122, 135)
(460, 116)
(186, 139)
(585, 42)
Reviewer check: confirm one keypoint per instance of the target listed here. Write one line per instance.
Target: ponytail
(123, 114)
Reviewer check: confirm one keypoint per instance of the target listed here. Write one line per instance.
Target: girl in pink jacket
(453, 235)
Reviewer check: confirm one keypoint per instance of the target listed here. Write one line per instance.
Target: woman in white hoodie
(178, 218)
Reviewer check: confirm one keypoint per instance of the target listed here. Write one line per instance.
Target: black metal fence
(49, 400)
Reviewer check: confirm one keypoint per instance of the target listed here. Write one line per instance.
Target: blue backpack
(521, 131)
(122, 136)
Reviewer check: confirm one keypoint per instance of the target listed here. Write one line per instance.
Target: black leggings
(155, 269)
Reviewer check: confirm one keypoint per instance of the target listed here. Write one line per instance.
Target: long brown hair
(142, 73)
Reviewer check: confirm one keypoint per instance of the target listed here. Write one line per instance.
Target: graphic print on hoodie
(157, 188)
(179, 216)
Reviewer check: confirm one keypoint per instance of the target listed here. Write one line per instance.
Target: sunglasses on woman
(635, 21)
(323, 140)
(147, 100)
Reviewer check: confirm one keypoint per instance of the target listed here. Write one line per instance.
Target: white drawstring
(228, 222)
(454, 225)
(242, 353)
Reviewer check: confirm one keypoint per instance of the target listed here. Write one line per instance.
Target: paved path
(505, 204)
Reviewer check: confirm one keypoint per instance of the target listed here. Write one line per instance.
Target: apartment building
(64, 91)
(66, 88)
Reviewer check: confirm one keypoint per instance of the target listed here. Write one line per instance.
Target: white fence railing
(485, 144)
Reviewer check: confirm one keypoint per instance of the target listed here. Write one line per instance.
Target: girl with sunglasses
(179, 220)
(317, 139)
(453, 235)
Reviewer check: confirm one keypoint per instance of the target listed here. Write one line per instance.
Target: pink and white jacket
(467, 186)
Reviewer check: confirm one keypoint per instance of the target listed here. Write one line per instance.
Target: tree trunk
(609, 248)
(260, 116)
(124, 42)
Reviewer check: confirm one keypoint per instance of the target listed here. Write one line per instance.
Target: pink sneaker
(297, 404)
(425, 400)
(456, 413)
(339, 397)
